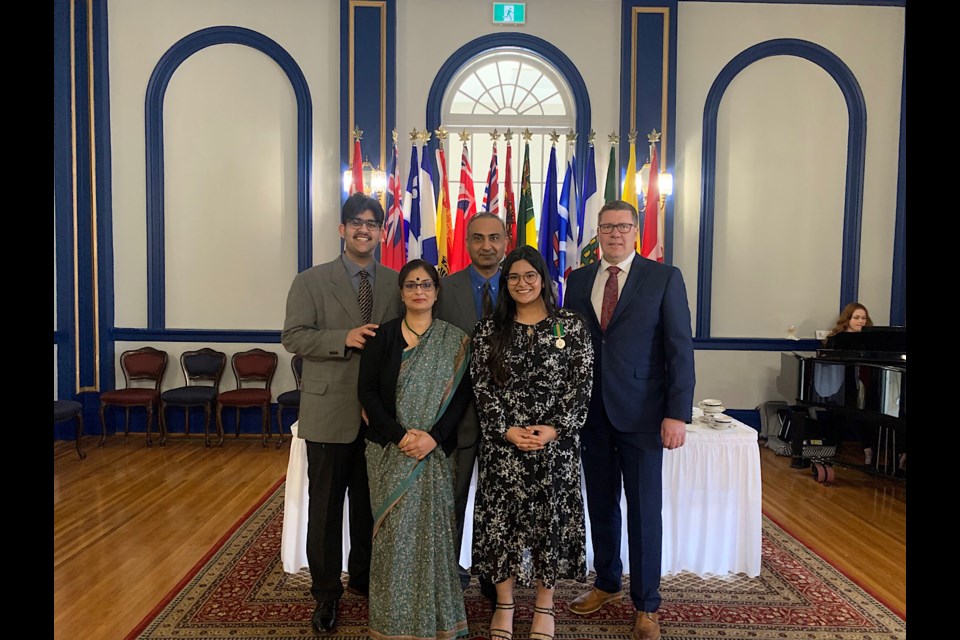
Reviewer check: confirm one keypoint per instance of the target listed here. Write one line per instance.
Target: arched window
(507, 88)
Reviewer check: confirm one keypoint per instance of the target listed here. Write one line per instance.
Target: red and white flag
(651, 242)
(466, 209)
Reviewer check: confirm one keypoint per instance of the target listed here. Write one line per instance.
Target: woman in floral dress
(532, 372)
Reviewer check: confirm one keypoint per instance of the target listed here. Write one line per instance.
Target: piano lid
(873, 344)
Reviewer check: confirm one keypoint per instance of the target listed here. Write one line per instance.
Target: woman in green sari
(413, 391)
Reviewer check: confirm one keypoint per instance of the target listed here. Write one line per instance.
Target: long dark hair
(505, 310)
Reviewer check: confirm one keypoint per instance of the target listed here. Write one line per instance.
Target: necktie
(365, 297)
(610, 294)
(486, 302)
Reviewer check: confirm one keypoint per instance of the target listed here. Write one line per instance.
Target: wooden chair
(145, 365)
(64, 410)
(289, 399)
(250, 367)
(202, 370)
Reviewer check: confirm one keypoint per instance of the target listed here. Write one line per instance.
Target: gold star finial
(527, 135)
(508, 135)
(554, 136)
(441, 134)
(464, 136)
(572, 137)
(593, 134)
(414, 135)
(424, 137)
(357, 133)
(613, 138)
(494, 136)
(653, 137)
(632, 136)
(394, 137)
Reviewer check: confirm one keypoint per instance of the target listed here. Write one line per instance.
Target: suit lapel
(385, 285)
(343, 291)
(462, 294)
(638, 273)
(590, 275)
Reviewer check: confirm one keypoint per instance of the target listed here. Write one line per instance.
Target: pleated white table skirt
(711, 506)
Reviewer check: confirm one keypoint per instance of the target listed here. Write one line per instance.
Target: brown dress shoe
(590, 601)
(647, 626)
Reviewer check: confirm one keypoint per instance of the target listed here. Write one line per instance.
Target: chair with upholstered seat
(289, 399)
(140, 366)
(202, 370)
(64, 410)
(250, 367)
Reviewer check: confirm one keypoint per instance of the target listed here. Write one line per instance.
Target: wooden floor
(130, 522)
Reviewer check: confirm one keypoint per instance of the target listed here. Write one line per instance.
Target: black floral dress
(528, 516)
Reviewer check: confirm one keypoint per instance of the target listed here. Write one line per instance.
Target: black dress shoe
(487, 589)
(324, 616)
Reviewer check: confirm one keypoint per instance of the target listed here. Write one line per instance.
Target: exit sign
(509, 12)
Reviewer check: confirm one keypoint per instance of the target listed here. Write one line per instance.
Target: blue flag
(549, 240)
(411, 207)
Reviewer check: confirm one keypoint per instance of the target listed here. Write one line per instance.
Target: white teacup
(710, 404)
(721, 421)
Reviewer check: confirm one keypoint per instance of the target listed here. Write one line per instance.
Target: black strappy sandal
(502, 634)
(536, 635)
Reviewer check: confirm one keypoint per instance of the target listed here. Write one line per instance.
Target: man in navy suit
(639, 320)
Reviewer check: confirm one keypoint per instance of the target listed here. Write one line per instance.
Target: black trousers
(332, 470)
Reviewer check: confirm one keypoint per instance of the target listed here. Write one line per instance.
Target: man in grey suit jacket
(461, 303)
(332, 309)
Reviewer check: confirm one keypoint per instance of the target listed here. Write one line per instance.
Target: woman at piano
(854, 318)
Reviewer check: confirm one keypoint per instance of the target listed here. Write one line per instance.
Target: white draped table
(711, 506)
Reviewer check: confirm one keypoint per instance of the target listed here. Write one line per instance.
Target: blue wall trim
(156, 89)
(898, 290)
(856, 143)
(649, 94)
(755, 344)
(62, 189)
(541, 47)
(264, 336)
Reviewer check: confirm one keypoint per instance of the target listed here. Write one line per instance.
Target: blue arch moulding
(82, 204)
(898, 293)
(368, 63)
(541, 47)
(648, 93)
(856, 143)
(156, 89)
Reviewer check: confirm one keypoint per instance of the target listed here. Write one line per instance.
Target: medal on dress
(559, 332)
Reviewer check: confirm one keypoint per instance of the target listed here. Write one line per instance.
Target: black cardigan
(377, 387)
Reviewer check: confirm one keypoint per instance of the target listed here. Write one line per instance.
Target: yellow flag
(630, 184)
(444, 223)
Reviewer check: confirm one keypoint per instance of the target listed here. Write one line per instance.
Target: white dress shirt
(596, 294)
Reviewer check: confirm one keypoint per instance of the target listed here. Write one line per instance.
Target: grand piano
(860, 376)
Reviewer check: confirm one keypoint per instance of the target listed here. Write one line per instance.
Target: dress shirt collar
(624, 265)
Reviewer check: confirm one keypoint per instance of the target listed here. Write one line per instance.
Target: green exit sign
(509, 12)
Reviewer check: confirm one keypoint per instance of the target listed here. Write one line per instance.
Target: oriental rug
(240, 591)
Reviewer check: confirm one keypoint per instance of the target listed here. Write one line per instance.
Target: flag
(491, 194)
(567, 210)
(444, 225)
(630, 185)
(393, 253)
(356, 174)
(509, 206)
(550, 220)
(466, 209)
(526, 224)
(652, 245)
(411, 206)
(588, 248)
(428, 209)
(611, 190)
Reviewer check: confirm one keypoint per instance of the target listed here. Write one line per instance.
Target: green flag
(526, 223)
(610, 191)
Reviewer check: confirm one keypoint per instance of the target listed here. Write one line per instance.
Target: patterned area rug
(241, 591)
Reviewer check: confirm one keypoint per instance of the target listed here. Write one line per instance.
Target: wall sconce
(665, 182)
(374, 180)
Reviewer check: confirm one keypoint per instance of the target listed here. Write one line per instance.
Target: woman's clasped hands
(417, 444)
(531, 438)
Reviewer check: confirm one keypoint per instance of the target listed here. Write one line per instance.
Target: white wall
(230, 157)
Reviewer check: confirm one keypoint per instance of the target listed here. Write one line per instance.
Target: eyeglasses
(426, 285)
(623, 227)
(356, 223)
(529, 277)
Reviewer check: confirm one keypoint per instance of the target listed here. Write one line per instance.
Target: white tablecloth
(711, 506)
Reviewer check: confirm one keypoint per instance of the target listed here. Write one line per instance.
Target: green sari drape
(414, 581)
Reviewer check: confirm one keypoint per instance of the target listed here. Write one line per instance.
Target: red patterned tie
(610, 294)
